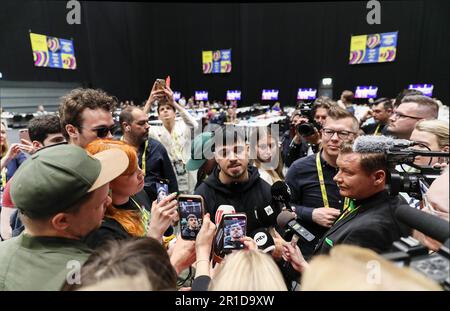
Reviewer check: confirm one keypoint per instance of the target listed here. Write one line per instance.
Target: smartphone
(162, 190)
(160, 84)
(23, 134)
(191, 210)
(235, 227)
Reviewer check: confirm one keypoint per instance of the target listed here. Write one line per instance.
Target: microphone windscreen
(428, 224)
(263, 239)
(222, 210)
(372, 144)
(285, 217)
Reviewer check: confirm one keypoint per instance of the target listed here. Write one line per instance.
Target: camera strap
(323, 190)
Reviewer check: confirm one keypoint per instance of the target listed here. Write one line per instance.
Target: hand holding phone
(24, 134)
(235, 228)
(191, 210)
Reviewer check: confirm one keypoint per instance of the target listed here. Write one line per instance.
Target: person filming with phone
(192, 227)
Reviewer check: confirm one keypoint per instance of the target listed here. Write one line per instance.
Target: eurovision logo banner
(374, 48)
(52, 52)
(216, 61)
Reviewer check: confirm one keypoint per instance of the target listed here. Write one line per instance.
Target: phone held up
(235, 228)
(191, 211)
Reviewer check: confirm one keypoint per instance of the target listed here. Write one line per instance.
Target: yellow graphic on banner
(358, 43)
(38, 42)
(207, 56)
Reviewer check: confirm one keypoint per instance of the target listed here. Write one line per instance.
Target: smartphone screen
(162, 191)
(23, 134)
(191, 216)
(235, 227)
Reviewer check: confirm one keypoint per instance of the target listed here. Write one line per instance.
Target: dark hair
(126, 115)
(424, 102)
(229, 135)
(164, 102)
(387, 103)
(73, 104)
(405, 92)
(348, 96)
(40, 127)
(370, 162)
(129, 257)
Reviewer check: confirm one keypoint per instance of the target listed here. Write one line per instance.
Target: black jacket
(158, 166)
(372, 226)
(245, 197)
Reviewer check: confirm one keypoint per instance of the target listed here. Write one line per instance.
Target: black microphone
(267, 216)
(281, 194)
(263, 239)
(287, 221)
(428, 224)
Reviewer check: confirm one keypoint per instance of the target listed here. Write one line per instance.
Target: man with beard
(233, 182)
(153, 157)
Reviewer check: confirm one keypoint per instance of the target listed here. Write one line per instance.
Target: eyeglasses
(103, 131)
(400, 115)
(341, 134)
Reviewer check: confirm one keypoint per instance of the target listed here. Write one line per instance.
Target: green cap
(52, 180)
(201, 143)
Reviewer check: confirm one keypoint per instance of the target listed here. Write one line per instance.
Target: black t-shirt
(111, 229)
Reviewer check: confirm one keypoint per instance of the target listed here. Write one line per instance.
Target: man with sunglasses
(86, 115)
(315, 195)
(409, 112)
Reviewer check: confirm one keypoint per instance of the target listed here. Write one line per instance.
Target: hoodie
(244, 196)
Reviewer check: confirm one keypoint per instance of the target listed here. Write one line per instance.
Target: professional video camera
(413, 183)
(307, 128)
(409, 252)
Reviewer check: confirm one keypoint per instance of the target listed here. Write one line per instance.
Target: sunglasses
(103, 131)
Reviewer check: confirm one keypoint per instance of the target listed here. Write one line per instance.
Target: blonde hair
(122, 283)
(353, 268)
(256, 271)
(438, 128)
(129, 219)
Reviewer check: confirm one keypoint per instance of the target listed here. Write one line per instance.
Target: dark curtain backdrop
(123, 47)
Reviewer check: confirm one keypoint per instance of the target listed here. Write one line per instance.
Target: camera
(413, 183)
(408, 252)
(309, 128)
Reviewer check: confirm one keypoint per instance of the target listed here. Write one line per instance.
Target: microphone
(428, 224)
(222, 210)
(287, 221)
(379, 144)
(267, 216)
(263, 239)
(281, 194)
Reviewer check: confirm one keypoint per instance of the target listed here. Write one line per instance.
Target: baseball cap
(201, 143)
(53, 180)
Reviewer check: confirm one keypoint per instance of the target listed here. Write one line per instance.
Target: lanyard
(3, 177)
(145, 215)
(377, 129)
(351, 209)
(322, 185)
(143, 162)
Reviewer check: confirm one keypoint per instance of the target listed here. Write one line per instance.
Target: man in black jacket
(153, 157)
(369, 220)
(233, 181)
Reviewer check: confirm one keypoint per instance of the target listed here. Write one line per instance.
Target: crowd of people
(80, 207)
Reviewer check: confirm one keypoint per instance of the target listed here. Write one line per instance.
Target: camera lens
(305, 129)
